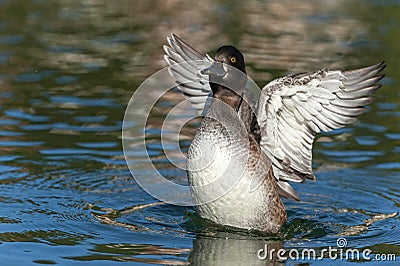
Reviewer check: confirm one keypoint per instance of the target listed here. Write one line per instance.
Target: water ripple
(67, 195)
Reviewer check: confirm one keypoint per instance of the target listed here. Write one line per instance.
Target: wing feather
(293, 109)
(185, 65)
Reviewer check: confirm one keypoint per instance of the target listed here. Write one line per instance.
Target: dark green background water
(67, 71)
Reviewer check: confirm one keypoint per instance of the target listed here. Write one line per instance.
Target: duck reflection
(226, 248)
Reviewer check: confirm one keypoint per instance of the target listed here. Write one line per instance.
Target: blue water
(67, 72)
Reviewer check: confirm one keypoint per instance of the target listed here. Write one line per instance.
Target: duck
(247, 152)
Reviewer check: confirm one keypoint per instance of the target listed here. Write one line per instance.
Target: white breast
(221, 184)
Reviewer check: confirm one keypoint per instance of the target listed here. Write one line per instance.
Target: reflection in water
(273, 35)
(133, 253)
(228, 248)
(67, 71)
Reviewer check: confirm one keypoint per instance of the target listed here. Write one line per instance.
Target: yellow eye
(233, 59)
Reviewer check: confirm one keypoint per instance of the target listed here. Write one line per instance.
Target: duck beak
(216, 69)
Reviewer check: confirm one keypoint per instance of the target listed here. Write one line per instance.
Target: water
(67, 72)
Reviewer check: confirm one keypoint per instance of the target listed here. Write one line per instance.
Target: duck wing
(293, 109)
(185, 65)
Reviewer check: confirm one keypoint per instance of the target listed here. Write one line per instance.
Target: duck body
(244, 155)
(230, 178)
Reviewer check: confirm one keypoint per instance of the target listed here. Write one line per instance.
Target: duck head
(227, 75)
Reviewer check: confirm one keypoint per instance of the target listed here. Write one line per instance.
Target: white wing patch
(293, 109)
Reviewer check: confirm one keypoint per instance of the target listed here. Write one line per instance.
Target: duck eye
(233, 59)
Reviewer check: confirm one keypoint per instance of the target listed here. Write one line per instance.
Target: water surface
(67, 72)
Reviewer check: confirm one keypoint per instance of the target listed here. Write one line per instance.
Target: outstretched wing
(293, 109)
(185, 65)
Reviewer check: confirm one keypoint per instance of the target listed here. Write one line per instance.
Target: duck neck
(227, 96)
